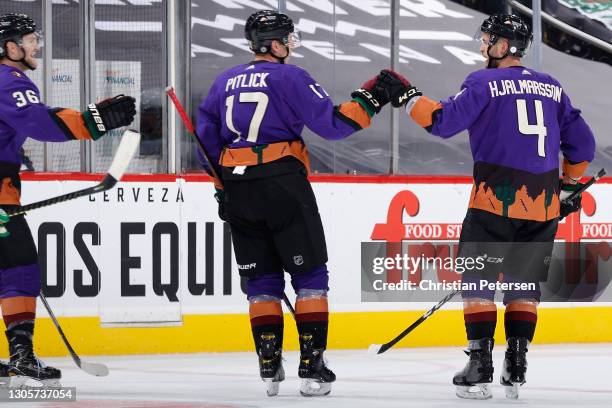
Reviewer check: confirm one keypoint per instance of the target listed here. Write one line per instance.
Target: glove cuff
(405, 96)
(93, 122)
(366, 99)
(570, 187)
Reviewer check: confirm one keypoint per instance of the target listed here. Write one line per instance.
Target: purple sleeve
(577, 140)
(23, 111)
(313, 105)
(459, 112)
(209, 131)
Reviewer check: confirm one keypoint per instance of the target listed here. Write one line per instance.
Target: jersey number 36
(22, 100)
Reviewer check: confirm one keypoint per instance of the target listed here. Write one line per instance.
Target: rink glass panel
(33, 150)
(334, 59)
(130, 60)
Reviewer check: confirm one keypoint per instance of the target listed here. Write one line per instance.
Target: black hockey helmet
(264, 26)
(13, 27)
(511, 27)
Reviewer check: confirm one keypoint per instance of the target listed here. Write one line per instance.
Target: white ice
(558, 376)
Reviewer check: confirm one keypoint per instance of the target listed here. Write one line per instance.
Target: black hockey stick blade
(127, 147)
(381, 348)
(97, 369)
(586, 185)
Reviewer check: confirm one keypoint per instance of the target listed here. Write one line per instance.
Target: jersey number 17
(261, 99)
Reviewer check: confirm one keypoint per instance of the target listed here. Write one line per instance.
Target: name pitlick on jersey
(253, 80)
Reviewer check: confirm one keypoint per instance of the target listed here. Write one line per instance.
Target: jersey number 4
(527, 128)
(261, 99)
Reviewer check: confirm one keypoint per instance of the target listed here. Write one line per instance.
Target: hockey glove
(568, 207)
(4, 218)
(397, 88)
(221, 200)
(371, 96)
(109, 114)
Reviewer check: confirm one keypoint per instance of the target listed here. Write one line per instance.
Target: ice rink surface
(558, 376)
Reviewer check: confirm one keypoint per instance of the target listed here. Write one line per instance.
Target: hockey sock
(19, 336)
(520, 318)
(480, 318)
(312, 315)
(266, 316)
(18, 309)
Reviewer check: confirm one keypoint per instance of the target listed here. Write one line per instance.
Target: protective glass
(294, 39)
(36, 40)
(479, 37)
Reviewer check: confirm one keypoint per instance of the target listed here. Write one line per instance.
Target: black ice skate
(270, 362)
(316, 377)
(4, 376)
(515, 366)
(473, 381)
(24, 365)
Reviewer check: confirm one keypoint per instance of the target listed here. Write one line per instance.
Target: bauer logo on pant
(298, 260)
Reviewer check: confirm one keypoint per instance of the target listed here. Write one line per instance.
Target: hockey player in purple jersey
(22, 116)
(250, 124)
(518, 121)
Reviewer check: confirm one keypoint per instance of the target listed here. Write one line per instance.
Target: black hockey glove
(109, 114)
(397, 88)
(568, 207)
(371, 96)
(221, 200)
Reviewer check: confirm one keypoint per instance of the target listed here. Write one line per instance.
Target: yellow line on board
(350, 330)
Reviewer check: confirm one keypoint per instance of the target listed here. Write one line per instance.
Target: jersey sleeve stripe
(422, 110)
(353, 114)
(574, 170)
(71, 123)
(9, 193)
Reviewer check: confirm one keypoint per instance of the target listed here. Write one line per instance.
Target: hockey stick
(97, 369)
(125, 151)
(288, 304)
(381, 348)
(586, 185)
(189, 125)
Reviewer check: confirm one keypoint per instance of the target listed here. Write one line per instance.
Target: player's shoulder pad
(478, 77)
(293, 71)
(550, 78)
(12, 78)
(476, 82)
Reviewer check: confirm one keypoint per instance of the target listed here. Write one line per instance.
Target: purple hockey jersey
(262, 102)
(518, 120)
(23, 115)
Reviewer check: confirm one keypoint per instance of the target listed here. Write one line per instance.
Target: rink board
(148, 267)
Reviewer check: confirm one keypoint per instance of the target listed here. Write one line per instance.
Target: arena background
(148, 266)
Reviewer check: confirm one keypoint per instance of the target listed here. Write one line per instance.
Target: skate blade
(4, 382)
(273, 384)
(476, 391)
(314, 388)
(272, 387)
(20, 381)
(512, 391)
